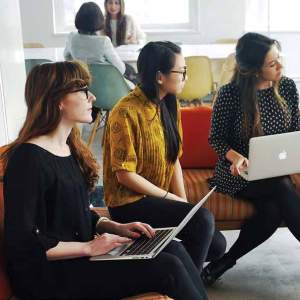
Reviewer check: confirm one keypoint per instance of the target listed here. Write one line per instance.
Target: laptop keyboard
(144, 245)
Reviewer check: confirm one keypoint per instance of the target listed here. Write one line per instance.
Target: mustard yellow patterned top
(134, 141)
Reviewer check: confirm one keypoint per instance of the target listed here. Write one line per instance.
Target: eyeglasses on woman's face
(84, 89)
(180, 72)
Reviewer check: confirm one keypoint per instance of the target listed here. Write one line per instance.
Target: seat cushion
(197, 153)
(224, 207)
(148, 296)
(296, 181)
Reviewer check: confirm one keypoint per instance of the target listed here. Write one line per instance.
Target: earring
(159, 81)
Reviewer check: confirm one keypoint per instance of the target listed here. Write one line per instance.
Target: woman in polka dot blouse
(257, 101)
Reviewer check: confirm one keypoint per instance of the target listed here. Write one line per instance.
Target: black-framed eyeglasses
(181, 72)
(83, 89)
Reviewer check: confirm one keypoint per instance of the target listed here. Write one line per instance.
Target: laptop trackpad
(244, 174)
(118, 250)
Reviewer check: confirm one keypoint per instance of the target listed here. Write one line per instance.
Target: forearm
(232, 155)
(68, 250)
(143, 186)
(219, 144)
(177, 184)
(106, 225)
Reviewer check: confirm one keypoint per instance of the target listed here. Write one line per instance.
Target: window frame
(268, 29)
(192, 26)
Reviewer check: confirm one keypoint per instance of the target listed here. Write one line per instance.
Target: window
(171, 15)
(280, 20)
(273, 15)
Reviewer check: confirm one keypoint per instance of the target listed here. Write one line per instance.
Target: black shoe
(215, 269)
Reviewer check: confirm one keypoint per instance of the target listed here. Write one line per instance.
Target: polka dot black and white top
(226, 127)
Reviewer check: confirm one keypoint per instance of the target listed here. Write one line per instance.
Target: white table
(129, 53)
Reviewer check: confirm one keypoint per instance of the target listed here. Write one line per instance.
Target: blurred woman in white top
(89, 44)
(121, 28)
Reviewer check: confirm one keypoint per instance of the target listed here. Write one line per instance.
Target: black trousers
(199, 236)
(172, 273)
(274, 200)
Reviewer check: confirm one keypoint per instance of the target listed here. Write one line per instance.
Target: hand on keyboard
(135, 230)
(238, 165)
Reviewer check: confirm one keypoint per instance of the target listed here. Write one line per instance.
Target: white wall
(37, 23)
(12, 71)
(222, 19)
(215, 20)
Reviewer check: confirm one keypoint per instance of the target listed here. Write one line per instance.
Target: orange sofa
(5, 290)
(198, 162)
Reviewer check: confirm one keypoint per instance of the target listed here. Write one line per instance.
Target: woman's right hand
(104, 243)
(240, 163)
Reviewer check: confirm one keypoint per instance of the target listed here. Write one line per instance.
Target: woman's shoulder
(133, 104)
(129, 18)
(131, 21)
(72, 33)
(230, 87)
(228, 93)
(27, 156)
(27, 150)
(30, 151)
(129, 103)
(286, 82)
(100, 38)
(288, 90)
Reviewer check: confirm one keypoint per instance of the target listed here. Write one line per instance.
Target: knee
(204, 221)
(283, 187)
(217, 247)
(272, 216)
(173, 267)
(175, 248)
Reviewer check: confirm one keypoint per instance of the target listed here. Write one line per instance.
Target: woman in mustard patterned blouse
(142, 173)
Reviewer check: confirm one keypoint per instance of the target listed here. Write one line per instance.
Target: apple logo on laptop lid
(282, 155)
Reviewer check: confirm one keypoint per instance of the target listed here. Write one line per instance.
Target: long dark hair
(251, 51)
(160, 57)
(121, 24)
(89, 18)
(45, 87)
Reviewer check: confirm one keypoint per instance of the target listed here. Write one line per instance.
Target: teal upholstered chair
(31, 62)
(109, 86)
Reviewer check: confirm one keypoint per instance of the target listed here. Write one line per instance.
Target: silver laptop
(273, 155)
(145, 248)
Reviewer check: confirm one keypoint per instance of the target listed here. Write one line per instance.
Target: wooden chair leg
(104, 127)
(93, 133)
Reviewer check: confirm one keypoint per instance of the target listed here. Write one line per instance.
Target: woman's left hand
(135, 230)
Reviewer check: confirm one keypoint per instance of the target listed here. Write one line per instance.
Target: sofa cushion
(224, 207)
(197, 153)
(296, 181)
(5, 290)
(148, 296)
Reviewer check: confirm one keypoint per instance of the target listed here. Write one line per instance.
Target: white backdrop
(12, 69)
